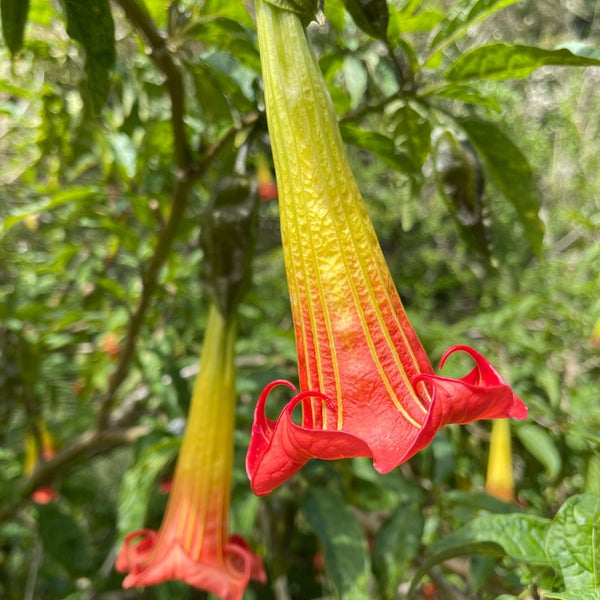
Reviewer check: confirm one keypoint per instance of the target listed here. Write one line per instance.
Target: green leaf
(541, 445)
(137, 485)
(396, 544)
(573, 542)
(402, 22)
(371, 16)
(470, 94)
(379, 144)
(91, 24)
(413, 134)
(63, 539)
(509, 169)
(59, 198)
(517, 535)
(520, 535)
(342, 539)
(14, 16)
(463, 15)
(504, 61)
(459, 548)
(574, 595)
(355, 79)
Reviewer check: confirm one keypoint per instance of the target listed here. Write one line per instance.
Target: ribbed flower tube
(193, 543)
(367, 387)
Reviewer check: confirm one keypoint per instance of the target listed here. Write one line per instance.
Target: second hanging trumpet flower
(367, 387)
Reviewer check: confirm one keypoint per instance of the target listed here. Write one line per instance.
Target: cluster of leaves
(119, 119)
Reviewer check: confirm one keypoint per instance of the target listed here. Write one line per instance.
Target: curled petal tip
(519, 409)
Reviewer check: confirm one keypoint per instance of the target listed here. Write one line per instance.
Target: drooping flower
(499, 480)
(40, 448)
(193, 543)
(367, 387)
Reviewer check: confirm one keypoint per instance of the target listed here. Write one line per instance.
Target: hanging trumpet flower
(367, 387)
(193, 543)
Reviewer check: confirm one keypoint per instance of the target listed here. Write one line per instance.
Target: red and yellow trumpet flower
(193, 543)
(367, 387)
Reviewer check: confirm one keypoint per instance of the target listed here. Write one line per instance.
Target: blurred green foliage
(486, 198)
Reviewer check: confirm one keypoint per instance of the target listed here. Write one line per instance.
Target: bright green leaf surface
(379, 144)
(521, 536)
(573, 542)
(504, 61)
(343, 542)
(395, 546)
(541, 445)
(63, 538)
(462, 15)
(574, 595)
(91, 24)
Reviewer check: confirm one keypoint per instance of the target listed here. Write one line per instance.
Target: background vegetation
(116, 122)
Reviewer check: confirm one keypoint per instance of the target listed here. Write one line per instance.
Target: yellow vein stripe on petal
(311, 119)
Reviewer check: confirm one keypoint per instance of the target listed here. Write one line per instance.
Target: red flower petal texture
(193, 543)
(367, 387)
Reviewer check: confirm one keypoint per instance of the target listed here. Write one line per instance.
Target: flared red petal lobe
(278, 449)
(481, 394)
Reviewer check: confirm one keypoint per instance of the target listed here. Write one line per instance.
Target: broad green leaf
(470, 94)
(458, 548)
(396, 544)
(401, 22)
(541, 445)
(342, 539)
(138, 482)
(14, 16)
(574, 595)
(517, 535)
(504, 61)
(63, 539)
(592, 474)
(413, 134)
(355, 79)
(91, 24)
(462, 15)
(59, 198)
(509, 169)
(124, 152)
(379, 144)
(369, 15)
(573, 542)
(521, 536)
